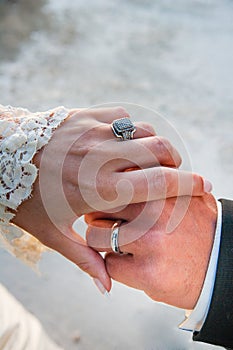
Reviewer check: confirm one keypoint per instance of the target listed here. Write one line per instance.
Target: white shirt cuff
(194, 319)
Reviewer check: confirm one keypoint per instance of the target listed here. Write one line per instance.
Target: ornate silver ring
(114, 237)
(123, 128)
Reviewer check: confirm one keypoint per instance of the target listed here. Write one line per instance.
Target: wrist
(196, 318)
(207, 221)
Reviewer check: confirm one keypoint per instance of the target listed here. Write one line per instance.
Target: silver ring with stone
(114, 237)
(123, 129)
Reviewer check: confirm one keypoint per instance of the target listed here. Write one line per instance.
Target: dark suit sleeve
(218, 326)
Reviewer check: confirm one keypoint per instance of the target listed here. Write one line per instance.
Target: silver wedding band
(114, 237)
(123, 128)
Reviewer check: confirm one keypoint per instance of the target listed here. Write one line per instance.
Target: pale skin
(168, 267)
(67, 188)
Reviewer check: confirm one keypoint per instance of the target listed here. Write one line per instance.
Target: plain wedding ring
(114, 237)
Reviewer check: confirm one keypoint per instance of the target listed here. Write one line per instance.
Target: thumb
(90, 261)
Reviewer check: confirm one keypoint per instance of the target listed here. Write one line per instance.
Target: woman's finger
(108, 115)
(125, 213)
(146, 185)
(77, 251)
(143, 130)
(146, 152)
(158, 183)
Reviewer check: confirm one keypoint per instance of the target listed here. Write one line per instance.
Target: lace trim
(22, 135)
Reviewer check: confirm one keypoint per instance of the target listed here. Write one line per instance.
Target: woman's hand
(82, 169)
(167, 261)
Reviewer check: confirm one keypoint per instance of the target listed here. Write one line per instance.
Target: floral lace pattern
(22, 134)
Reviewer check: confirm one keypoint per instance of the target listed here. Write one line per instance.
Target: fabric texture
(218, 326)
(20, 330)
(22, 134)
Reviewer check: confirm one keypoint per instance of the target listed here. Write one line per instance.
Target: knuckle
(160, 152)
(83, 149)
(159, 182)
(106, 188)
(171, 182)
(85, 265)
(148, 128)
(166, 151)
(164, 143)
(121, 111)
(172, 153)
(87, 142)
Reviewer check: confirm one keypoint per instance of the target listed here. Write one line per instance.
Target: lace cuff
(22, 134)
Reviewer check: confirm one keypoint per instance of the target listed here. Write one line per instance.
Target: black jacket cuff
(218, 326)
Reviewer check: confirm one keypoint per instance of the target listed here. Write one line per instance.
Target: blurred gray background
(175, 57)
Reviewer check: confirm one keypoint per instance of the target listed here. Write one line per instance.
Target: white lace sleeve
(22, 134)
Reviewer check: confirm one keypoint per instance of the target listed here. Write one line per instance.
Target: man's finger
(99, 232)
(125, 269)
(98, 235)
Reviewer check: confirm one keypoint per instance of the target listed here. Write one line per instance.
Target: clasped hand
(167, 261)
(83, 170)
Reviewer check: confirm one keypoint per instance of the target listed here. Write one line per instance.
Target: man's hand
(168, 266)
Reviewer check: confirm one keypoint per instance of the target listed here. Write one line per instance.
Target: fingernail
(207, 186)
(100, 286)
